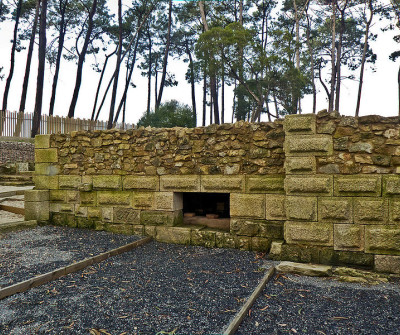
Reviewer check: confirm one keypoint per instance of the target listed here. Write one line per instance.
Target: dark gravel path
(26, 253)
(154, 288)
(304, 305)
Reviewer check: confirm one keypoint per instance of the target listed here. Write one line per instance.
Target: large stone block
(271, 229)
(224, 240)
(382, 240)
(203, 237)
(265, 184)
(371, 210)
(300, 124)
(300, 165)
(57, 195)
(143, 200)
(178, 235)
(394, 211)
(118, 198)
(336, 210)
(306, 145)
(155, 218)
(301, 208)
(69, 182)
(108, 182)
(107, 213)
(222, 184)
(126, 215)
(367, 186)
(275, 207)
(387, 263)
(391, 185)
(37, 195)
(46, 156)
(247, 205)
(348, 237)
(144, 183)
(42, 141)
(260, 244)
(47, 169)
(245, 227)
(309, 233)
(72, 197)
(309, 185)
(88, 198)
(170, 201)
(94, 213)
(45, 182)
(39, 211)
(120, 229)
(180, 183)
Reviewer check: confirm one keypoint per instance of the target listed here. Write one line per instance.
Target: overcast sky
(379, 93)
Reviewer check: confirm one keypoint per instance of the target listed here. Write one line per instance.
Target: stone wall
(13, 152)
(321, 188)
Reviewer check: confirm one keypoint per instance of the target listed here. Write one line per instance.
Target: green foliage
(169, 114)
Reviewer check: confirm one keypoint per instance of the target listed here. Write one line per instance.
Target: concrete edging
(237, 320)
(11, 226)
(50, 276)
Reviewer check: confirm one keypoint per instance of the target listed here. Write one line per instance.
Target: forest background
(227, 60)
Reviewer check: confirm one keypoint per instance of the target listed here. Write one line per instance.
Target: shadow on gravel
(303, 305)
(154, 288)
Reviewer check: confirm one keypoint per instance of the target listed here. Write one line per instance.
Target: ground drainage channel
(159, 288)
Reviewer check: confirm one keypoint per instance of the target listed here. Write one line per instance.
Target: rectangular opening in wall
(207, 209)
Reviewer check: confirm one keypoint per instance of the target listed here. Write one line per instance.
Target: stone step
(313, 270)
(17, 183)
(16, 177)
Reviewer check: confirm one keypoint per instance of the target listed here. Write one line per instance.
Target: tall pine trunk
(205, 98)
(149, 73)
(40, 77)
(12, 61)
(165, 61)
(61, 38)
(117, 68)
(29, 59)
(81, 59)
(193, 93)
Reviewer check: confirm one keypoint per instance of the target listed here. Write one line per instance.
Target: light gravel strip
(237, 320)
(50, 276)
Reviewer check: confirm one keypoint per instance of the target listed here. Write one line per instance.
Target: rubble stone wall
(321, 188)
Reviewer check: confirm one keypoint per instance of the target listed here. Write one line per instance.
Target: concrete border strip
(11, 226)
(237, 320)
(53, 275)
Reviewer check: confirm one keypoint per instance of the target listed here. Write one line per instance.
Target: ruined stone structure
(322, 189)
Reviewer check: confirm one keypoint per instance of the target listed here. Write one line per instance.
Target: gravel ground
(156, 288)
(293, 304)
(31, 252)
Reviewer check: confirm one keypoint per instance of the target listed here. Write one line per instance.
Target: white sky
(380, 94)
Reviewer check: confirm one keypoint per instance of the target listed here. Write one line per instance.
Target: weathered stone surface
(57, 195)
(394, 211)
(222, 184)
(80, 211)
(247, 205)
(302, 145)
(203, 237)
(387, 263)
(126, 215)
(275, 207)
(67, 208)
(309, 233)
(141, 183)
(224, 240)
(245, 227)
(178, 235)
(265, 184)
(154, 218)
(94, 212)
(37, 195)
(88, 198)
(309, 185)
(271, 229)
(336, 210)
(243, 242)
(39, 211)
(120, 229)
(276, 249)
(108, 182)
(46, 182)
(348, 237)
(107, 214)
(118, 198)
(361, 147)
(168, 201)
(300, 165)
(150, 231)
(371, 210)
(72, 196)
(46, 156)
(313, 270)
(329, 169)
(69, 182)
(391, 185)
(138, 230)
(47, 169)
(180, 183)
(301, 208)
(357, 186)
(382, 240)
(143, 200)
(42, 141)
(300, 124)
(260, 244)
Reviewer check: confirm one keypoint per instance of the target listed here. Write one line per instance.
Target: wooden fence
(18, 124)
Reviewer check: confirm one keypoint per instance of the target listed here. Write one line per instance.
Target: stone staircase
(21, 179)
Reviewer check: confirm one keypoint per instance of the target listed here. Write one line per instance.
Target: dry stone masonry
(312, 188)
